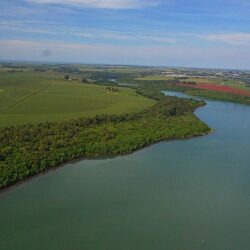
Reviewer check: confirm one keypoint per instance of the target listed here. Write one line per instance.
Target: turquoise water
(181, 195)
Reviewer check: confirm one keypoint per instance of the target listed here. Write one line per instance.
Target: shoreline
(28, 179)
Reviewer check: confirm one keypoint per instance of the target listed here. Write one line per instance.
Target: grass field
(154, 78)
(38, 97)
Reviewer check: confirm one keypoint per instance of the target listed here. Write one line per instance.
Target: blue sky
(195, 33)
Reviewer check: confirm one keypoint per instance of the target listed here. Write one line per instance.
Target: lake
(179, 195)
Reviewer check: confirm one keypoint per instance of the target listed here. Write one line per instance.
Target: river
(180, 195)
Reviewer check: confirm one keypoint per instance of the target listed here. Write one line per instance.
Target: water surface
(181, 195)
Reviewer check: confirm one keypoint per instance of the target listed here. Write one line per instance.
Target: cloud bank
(232, 38)
(103, 4)
(221, 57)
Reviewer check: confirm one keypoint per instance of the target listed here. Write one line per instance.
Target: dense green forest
(30, 149)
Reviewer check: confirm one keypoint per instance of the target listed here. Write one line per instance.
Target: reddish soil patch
(219, 88)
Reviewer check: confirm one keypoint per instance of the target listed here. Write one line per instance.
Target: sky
(188, 33)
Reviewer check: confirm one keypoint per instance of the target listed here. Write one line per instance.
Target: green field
(37, 97)
(154, 78)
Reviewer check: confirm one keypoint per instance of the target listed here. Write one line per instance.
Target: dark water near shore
(181, 195)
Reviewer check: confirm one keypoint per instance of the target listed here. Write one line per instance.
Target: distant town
(237, 75)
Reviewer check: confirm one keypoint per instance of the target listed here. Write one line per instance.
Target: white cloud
(231, 38)
(89, 34)
(105, 4)
(29, 30)
(126, 36)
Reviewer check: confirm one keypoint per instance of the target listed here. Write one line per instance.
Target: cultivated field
(30, 97)
(218, 88)
(154, 78)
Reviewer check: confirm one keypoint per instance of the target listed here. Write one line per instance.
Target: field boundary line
(26, 98)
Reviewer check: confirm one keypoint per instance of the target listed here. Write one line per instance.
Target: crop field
(114, 69)
(203, 80)
(32, 97)
(219, 88)
(154, 78)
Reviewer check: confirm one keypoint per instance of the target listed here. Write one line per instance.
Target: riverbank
(101, 157)
(31, 149)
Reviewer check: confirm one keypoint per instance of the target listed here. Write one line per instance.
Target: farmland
(218, 88)
(154, 78)
(38, 97)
